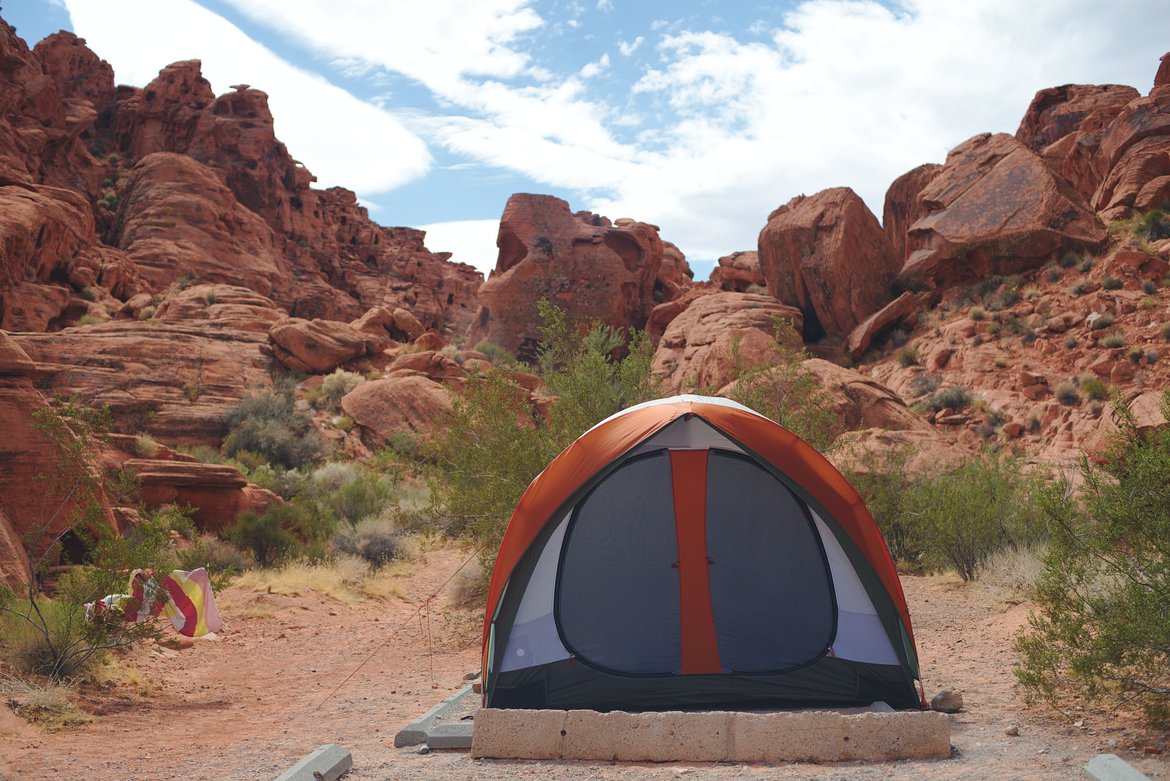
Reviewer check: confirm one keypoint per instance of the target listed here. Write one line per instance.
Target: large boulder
(318, 346)
(218, 494)
(861, 402)
(995, 208)
(717, 336)
(827, 255)
(738, 271)
(1146, 408)
(1072, 108)
(406, 404)
(580, 262)
(861, 337)
(215, 307)
(78, 73)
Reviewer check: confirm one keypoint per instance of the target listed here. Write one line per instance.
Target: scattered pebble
(1012, 731)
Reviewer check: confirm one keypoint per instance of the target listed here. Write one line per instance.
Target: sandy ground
(252, 702)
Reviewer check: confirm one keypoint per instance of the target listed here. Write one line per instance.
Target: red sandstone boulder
(995, 208)
(861, 337)
(163, 116)
(78, 73)
(1059, 111)
(428, 363)
(318, 346)
(827, 255)
(863, 403)
(219, 494)
(674, 273)
(398, 325)
(215, 307)
(1147, 411)
(579, 262)
(903, 208)
(663, 315)
(718, 335)
(407, 404)
(738, 271)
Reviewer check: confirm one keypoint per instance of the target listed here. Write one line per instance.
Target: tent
(690, 553)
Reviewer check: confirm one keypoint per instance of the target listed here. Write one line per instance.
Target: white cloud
(595, 68)
(469, 241)
(604, 5)
(321, 124)
(629, 47)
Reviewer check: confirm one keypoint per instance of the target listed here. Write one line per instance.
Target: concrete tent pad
(716, 736)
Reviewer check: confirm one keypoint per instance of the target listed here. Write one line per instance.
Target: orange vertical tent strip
(700, 648)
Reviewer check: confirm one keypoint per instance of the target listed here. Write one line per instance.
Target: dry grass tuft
(50, 706)
(346, 579)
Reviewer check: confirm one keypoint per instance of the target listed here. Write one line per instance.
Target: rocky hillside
(162, 254)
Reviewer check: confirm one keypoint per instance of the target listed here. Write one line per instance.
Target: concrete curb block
(328, 763)
(716, 736)
(428, 729)
(1110, 767)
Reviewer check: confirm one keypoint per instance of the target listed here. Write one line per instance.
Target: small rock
(424, 749)
(471, 676)
(177, 643)
(1012, 731)
(1152, 749)
(947, 701)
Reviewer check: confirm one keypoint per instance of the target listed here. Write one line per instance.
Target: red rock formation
(175, 381)
(674, 274)
(663, 315)
(995, 208)
(178, 220)
(861, 337)
(738, 271)
(78, 73)
(1058, 111)
(318, 346)
(861, 402)
(927, 453)
(1136, 150)
(37, 502)
(717, 335)
(405, 404)
(827, 255)
(579, 262)
(902, 207)
(218, 494)
(215, 307)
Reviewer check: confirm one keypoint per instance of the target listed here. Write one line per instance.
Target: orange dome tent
(690, 553)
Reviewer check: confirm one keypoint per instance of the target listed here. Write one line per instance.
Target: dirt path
(244, 706)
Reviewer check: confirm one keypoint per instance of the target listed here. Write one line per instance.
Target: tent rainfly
(689, 553)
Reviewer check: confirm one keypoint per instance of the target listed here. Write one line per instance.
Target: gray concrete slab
(328, 763)
(444, 723)
(1110, 767)
(714, 736)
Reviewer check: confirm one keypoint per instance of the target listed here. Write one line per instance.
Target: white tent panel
(534, 639)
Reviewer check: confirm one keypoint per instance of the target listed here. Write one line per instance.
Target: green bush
(1149, 287)
(376, 540)
(1101, 629)
(1067, 393)
(266, 535)
(924, 384)
(1111, 283)
(1164, 331)
(976, 313)
(271, 426)
(1103, 322)
(496, 354)
(956, 397)
(1113, 340)
(1095, 389)
(907, 357)
(222, 560)
(336, 385)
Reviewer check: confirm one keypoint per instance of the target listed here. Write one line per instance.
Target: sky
(698, 116)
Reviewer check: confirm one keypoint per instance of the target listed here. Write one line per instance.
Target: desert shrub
(1113, 340)
(956, 397)
(884, 481)
(222, 560)
(1095, 389)
(976, 313)
(376, 540)
(334, 386)
(1149, 287)
(1070, 341)
(496, 354)
(1067, 393)
(1101, 628)
(1164, 331)
(784, 391)
(1103, 322)
(270, 425)
(348, 492)
(1156, 224)
(1053, 275)
(1111, 283)
(1151, 356)
(907, 357)
(1078, 288)
(967, 514)
(1068, 260)
(266, 535)
(1085, 264)
(145, 446)
(923, 384)
(1135, 353)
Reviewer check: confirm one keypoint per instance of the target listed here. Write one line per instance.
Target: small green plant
(1001, 362)
(1068, 260)
(270, 425)
(1148, 302)
(924, 384)
(1151, 356)
(1111, 283)
(1094, 389)
(1156, 224)
(336, 385)
(908, 356)
(145, 446)
(265, 535)
(994, 328)
(976, 313)
(955, 398)
(1078, 288)
(1149, 287)
(1085, 265)
(1135, 354)
(222, 560)
(1054, 275)
(377, 540)
(1164, 331)
(1113, 340)
(1067, 393)
(146, 312)
(1070, 341)
(1103, 322)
